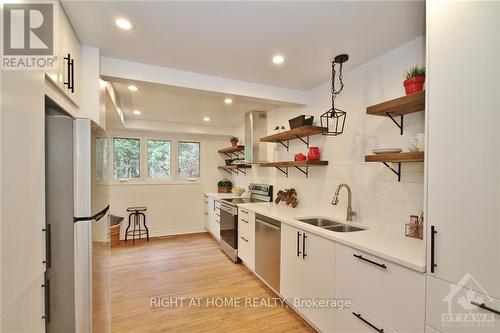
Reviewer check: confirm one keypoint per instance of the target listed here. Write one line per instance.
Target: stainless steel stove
(229, 217)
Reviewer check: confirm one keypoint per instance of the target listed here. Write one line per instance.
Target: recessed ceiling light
(137, 112)
(278, 59)
(123, 24)
(228, 101)
(132, 88)
(206, 119)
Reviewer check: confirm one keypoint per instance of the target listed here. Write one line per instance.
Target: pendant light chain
(341, 77)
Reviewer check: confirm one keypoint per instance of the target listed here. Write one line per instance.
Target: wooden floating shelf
(296, 133)
(293, 163)
(398, 158)
(399, 107)
(403, 105)
(293, 134)
(405, 157)
(302, 166)
(231, 149)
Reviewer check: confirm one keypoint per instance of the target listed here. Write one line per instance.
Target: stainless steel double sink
(330, 224)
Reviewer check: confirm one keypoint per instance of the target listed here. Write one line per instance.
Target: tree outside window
(189, 159)
(102, 158)
(159, 157)
(126, 158)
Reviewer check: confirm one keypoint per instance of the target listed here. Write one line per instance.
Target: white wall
(172, 208)
(377, 195)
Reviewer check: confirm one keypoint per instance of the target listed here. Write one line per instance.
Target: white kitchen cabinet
(213, 217)
(463, 159)
(451, 308)
(246, 237)
(392, 293)
(68, 45)
(307, 273)
(357, 320)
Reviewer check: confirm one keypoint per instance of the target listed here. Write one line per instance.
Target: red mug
(300, 157)
(313, 154)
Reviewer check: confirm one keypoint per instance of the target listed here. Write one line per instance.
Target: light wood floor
(189, 266)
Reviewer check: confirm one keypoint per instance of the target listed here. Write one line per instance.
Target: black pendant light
(333, 120)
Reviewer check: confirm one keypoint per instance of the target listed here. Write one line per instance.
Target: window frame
(144, 177)
(177, 160)
(148, 177)
(122, 180)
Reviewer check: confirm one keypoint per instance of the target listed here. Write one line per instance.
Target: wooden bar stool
(134, 217)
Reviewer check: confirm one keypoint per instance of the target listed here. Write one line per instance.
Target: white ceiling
(184, 106)
(238, 39)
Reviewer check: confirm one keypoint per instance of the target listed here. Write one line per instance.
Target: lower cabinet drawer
(392, 293)
(453, 308)
(356, 320)
(246, 251)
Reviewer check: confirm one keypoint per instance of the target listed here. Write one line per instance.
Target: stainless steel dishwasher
(268, 250)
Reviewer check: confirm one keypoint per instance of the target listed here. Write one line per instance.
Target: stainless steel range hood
(255, 128)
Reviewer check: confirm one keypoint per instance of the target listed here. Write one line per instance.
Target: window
(126, 158)
(189, 160)
(102, 162)
(159, 156)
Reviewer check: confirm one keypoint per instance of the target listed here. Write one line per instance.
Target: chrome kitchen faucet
(335, 201)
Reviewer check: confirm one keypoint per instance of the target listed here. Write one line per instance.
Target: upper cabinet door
(66, 75)
(463, 155)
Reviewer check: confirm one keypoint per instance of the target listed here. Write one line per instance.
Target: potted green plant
(224, 186)
(234, 141)
(415, 78)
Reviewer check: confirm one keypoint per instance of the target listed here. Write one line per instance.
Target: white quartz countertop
(225, 195)
(388, 244)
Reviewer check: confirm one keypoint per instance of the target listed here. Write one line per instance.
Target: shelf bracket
(242, 170)
(399, 125)
(229, 171)
(305, 172)
(305, 141)
(283, 143)
(398, 172)
(285, 172)
(228, 155)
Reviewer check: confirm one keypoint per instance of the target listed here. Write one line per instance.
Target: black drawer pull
(298, 243)
(246, 240)
(243, 220)
(48, 245)
(206, 213)
(244, 211)
(304, 254)
(433, 240)
(358, 315)
(370, 261)
(485, 307)
(46, 286)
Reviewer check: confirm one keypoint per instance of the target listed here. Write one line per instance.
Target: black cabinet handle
(206, 213)
(243, 220)
(433, 240)
(298, 243)
(485, 307)
(304, 246)
(370, 261)
(358, 315)
(71, 73)
(244, 211)
(246, 240)
(46, 286)
(48, 246)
